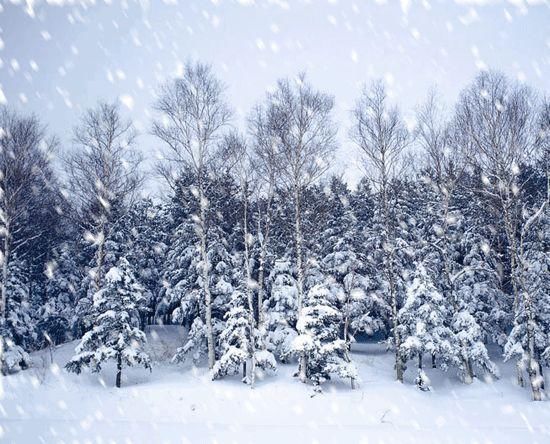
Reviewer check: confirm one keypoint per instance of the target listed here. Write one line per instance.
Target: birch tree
(29, 222)
(193, 111)
(234, 152)
(446, 168)
(497, 124)
(26, 189)
(381, 136)
(264, 162)
(304, 137)
(103, 176)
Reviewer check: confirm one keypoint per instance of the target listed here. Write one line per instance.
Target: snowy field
(181, 405)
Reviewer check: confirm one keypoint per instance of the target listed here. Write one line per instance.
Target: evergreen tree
(534, 332)
(17, 333)
(116, 334)
(346, 266)
(236, 345)
(423, 325)
(145, 246)
(318, 340)
(281, 310)
(58, 311)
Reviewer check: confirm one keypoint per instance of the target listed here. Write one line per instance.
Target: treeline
(441, 250)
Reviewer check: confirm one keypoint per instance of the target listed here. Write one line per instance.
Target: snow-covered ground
(175, 404)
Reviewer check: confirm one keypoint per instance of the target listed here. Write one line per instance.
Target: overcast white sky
(56, 61)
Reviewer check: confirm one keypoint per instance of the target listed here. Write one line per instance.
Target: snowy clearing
(177, 404)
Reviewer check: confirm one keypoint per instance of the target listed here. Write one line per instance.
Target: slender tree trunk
(100, 259)
(119, 370)
(261, 286)
(262, 259)
(533, 366)
(420, 381)
(298, 243)
(348, 359)
(206, 281)
(511, 236)
(249, 293)
(468, 372)
(396, 336)
(433, 361)
(346, 332)
(391, 280)
(519, 374)
(299, 271)
(302, 371)
(5, 263)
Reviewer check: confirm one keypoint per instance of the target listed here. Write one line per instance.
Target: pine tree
(115, 334)
(531, 332)
(471, 348)
(319, 342)
(347, 266)
(12, 356)
(423, 324)
(182, 299)
(236, 344)
(17, 333)
(63, 279)
(145, 246)
(179, 296)
(281, 310)
(478, 305)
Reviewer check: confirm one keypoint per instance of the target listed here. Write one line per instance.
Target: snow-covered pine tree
(182, 298)
(13, 357)
(17, 333)
(234, 339)
(478, 305)
(471, 348)
(280, 309)
(319, 340)
(372, 311)
(179, 296)
(236, 346)
(423, 325)
(115, 334)
(347, 266)
(63, 279)
(146, 236)
(530, 335)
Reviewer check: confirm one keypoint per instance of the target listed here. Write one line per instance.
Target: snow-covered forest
(258, 262)
(440, 251)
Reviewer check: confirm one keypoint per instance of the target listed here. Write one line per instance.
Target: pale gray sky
(56, 61)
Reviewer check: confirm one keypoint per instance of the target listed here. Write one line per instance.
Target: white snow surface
(180, 404)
